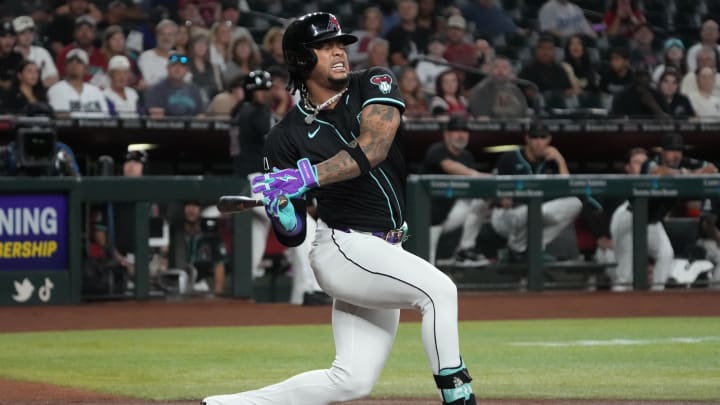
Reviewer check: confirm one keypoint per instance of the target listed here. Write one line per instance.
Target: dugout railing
(535, 189)
(139, 192)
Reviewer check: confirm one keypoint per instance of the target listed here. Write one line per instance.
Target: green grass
(190, 363)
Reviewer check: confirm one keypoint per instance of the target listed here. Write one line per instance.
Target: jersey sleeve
(435, 154)
(379, 86)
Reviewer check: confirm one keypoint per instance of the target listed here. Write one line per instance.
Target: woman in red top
(448, 97)
(622, 18)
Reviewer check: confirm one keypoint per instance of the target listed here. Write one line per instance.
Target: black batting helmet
(308, 32)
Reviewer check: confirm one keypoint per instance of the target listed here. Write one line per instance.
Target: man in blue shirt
(173, 96)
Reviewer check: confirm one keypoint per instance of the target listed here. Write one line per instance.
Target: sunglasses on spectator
(182, 59)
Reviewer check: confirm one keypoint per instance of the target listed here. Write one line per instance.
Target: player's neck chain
(314, 111)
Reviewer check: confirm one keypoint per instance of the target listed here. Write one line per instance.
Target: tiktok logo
(45, 291)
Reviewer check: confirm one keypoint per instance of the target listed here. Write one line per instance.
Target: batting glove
(289, 182)
(284, 214)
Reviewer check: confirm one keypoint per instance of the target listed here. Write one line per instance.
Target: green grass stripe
(508, 359)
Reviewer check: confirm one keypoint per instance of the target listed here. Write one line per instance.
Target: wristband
(358, 156)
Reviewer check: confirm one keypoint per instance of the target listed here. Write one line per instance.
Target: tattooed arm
(378, 124)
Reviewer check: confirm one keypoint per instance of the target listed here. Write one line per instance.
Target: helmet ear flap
(300, 62)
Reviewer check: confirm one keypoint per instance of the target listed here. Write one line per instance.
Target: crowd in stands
(519, 57)
(485, 59)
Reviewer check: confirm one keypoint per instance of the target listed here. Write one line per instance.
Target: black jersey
(516, 162)
(372, 202)
(253, 122)
(660, 207)
(436, 153)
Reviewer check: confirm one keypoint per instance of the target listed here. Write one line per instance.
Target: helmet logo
(333, 24)
(384, 82)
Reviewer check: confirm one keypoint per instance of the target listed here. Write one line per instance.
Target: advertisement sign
(33, 232)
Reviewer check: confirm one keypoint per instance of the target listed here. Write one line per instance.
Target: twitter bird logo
(24, 290)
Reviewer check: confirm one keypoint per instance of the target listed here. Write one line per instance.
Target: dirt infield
(227, 312)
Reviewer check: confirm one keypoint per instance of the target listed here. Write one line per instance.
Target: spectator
(173, 96)
(84, 34)
(123, 101)
(412, 93)
(370, 28)
(244, 58)
(580, 67)
(271, 49)
(509, 218)
(201, 253)
(673, 57)
(639, 100)
(490, 20)
(220, 41)
(24, 27)
(9, 59)
(225, 102)
(72, 96)
(26, 89)
(643, 54)
(670, 161)
(282, 100)
(563, 18)
(230, 13)
(189, 13)
(709, 35)
(450, 156)
(153, 63)
(60, 30)
(484, 55)
(427, 17)
(433, 64)
(619, 75)
(459, 50)
(704, 102)
(622, 18)
(406, 40)
(673, 102)
(497, 96)
(182, 39)
(205, 74)
(378, 51)
(549, 76)
(114, 45)
(706, 57)
(448, 97)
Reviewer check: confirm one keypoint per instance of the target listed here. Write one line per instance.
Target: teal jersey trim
(524, 162)
(385, 100)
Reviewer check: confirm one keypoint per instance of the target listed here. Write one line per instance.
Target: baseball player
(254, 120)
(450, 156)
(669, 162)
(510, 218)
(340, 141)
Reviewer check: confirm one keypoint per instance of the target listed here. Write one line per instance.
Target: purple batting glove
(289, 182)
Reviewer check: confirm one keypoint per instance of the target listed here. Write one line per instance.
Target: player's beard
(338, 84)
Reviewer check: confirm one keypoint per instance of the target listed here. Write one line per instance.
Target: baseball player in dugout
(509, 219)
(340, 141)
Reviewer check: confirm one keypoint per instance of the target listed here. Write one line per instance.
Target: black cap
(538, 130)
(7, 28)
(228, 4)
(673, 141)
(457, 122)
(137, 155)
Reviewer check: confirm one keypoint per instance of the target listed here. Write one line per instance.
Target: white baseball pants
(557, 214)
(468, 213)
(371, 280)
(659, 248)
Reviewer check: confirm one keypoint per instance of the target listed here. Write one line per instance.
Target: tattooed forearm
(338, 168)
(378, 124)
